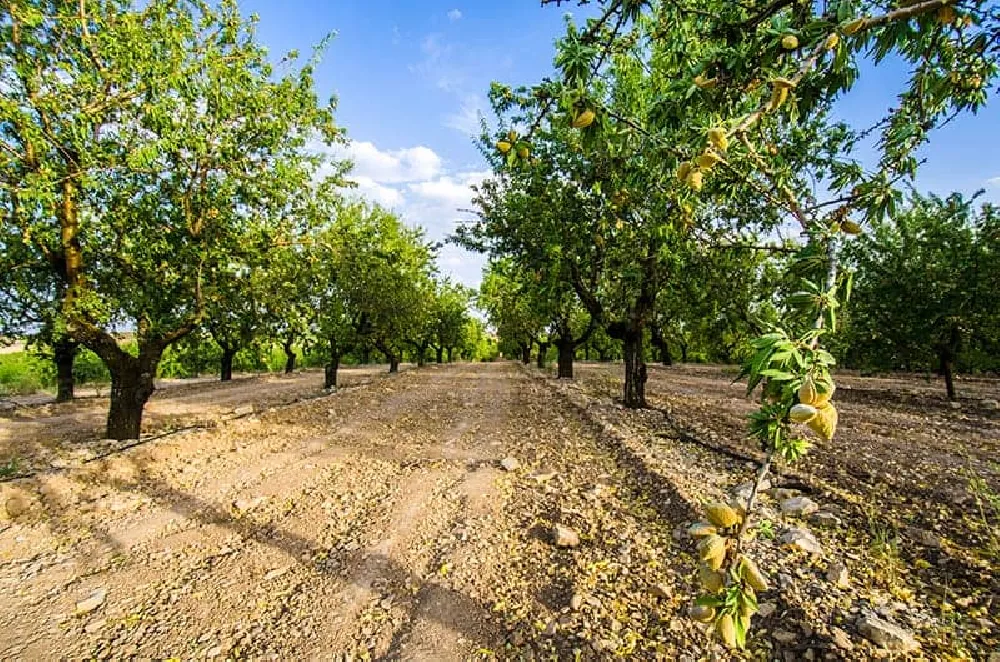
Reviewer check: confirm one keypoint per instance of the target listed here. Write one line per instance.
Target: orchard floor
(378, 523)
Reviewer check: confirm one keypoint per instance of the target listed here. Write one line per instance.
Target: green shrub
(21, 373)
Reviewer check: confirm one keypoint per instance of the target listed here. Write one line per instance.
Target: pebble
(576, 602)
(836, 574)
(510, 464)
(95, 600)
(765, 609)
(799, 506)
(823, 518)
(802, 539)
(888, 635)
(841, 639)
(563, 536)
(785, 637)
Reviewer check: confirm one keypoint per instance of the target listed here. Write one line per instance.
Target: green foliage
(925, 290)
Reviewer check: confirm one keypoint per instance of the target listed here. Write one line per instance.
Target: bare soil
(378, 523)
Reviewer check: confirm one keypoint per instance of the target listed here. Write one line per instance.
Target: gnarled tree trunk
(567, 350)
(332, 366)
(226, 363)
(289, 356)
(543, 350)
(64, 352)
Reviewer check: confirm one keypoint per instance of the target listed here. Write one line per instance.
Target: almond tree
(139, 145)
(736, 105)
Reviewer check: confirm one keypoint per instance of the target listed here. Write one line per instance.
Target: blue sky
(411, 76)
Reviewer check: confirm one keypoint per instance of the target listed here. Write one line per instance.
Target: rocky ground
(456, 512)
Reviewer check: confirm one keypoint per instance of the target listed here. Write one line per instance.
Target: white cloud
(368, 188)
(391, 167)
(454, 191)
(993, 181)
(454, 15)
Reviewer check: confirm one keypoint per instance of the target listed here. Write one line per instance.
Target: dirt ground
(381, 523)
(39, 431)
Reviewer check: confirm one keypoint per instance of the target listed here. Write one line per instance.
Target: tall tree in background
(926, 286)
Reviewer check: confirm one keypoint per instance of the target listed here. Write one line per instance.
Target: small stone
(924, 537)
(563, 536)
(274, 574)
(543, 475)
(214, 652)
(15, 505)
(248, 504)
(510, 464)
(888, 635)
(245, 410)
(841, 639)
(990, 405)
(576, 602)
(661, 591)
(95, 600)
(955, 405)
(785, 637)
(782, 493)
(765, 609)
(802, 539)
(743, 490)
(836, 574)
(823, 518)
(799, 506)
(94, 627)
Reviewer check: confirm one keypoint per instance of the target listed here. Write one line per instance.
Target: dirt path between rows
(376, 523)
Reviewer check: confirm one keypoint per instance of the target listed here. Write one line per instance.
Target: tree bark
(543, 349)
(226, 367)
(586, 353)
(440, 354)
(289, 357)
(330, 370)
(684, 352)
(64, 351)
(526, 353)
(567, 350)
(393, 364)
(665, 356)
(450, 352)
(131, 387)
(635, 370)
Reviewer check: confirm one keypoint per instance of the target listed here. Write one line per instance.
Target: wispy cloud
(993, 181)
(467, 118)
(454, 15)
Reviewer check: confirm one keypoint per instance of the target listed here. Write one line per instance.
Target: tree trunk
(330, 371)
(567, 350)
(289, 357)
(665, 356)
(64, 351)
(366, 355)
(525, 354)
(635, 370)
(543, 349)
(226, 369)
(440, 354)
(602, 355)
(684, 352)
(393, 364)
(586, 353)
(450, 351)
(131, 387)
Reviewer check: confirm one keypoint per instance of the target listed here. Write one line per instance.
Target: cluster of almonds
(722, 568)
(814, 407)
